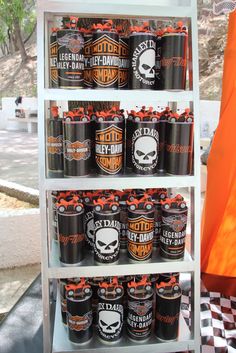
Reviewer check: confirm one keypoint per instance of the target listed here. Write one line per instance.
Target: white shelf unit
(55, 338)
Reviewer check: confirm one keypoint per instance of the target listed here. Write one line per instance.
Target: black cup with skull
(145, 147)
(142, 49)
(110, 312)
(106, 236)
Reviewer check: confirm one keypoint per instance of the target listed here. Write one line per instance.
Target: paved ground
(19, 157)
(13, 283)
(19, 164)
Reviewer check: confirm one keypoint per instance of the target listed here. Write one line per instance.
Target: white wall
(20, 237)
(7, 115)
(209, 113)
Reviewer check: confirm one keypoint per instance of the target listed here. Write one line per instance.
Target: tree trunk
(3, 50)
(15, 42)
(11, 47)
(20, 42)
(6, 47)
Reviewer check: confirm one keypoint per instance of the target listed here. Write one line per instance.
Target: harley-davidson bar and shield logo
(77, 150)
(80, 323)
(109, 149)
(55, 145)
(177, 223)
(105, 61)
(140, 308)
(140, 237)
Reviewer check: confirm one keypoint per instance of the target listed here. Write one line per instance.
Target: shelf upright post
(47, 337)
(196, 191)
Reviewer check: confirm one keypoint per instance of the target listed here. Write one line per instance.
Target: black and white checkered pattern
(218, 321)
(223, 6)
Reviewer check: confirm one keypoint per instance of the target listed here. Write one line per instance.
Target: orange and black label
(105, 59)
(124, 63)
(78, 150)
(53, 61)
(109, 149)
(55, 145)
(88, 78)
(169, 320)
(71, 239)
(176, 61)
(140, 237)
(177, 148)
(80, 323)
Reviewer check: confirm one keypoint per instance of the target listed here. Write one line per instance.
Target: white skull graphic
(107, 240)
(145, 150)
(90, 230)
(147, 63)
(109, 321)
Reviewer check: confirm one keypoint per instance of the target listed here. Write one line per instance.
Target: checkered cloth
(223, 6)
(218, 321)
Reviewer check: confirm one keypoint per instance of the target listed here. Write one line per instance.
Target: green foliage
(28, 23)
(12, 11)
(3, 32)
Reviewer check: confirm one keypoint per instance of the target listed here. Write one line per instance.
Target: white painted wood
(119, 182)
(130, 8)
(117, 95)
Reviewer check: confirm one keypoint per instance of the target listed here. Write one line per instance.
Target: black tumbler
(55, 146)
(142, 53)
(172, 239)
(179, 148)
(70, 58)
(145, 147)
(71, 237)
(77, 147)
(140, 312)
(106, 236)
(174, 60)
(110, 313)
(80, 315)
(167, 312)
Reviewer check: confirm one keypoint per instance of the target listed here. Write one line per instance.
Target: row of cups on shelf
(103, 56)
(146, 142)
(109, 222)
(108, 305)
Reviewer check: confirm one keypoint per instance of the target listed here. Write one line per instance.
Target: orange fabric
(222, 284)
(219, 214)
